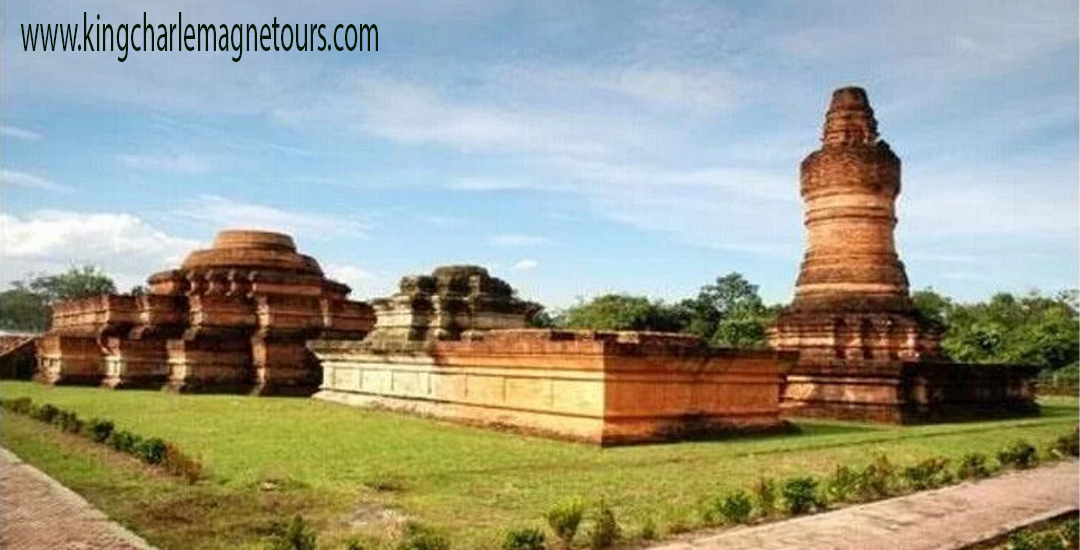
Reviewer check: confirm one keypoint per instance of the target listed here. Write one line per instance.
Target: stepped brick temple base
(234, 317)
(602, 387)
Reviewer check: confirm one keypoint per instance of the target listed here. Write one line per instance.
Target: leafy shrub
(1068, 444)
(124, 441)
(973, 466)
(1020, 454)
(1071, 532)
(69, 422)
(1027, 540)
(179, 464)
(151, 450)
(100, 429)
(295, 535)
(800, 495)
(841, 485)
(418, 537)
(732, 508)
(648, 530)
(878, 479)
(930, 473)
(19, 405)
(524, 539)
(565, 518)
(765, 495)
(354, 545)
(46, 413)
(605, 529)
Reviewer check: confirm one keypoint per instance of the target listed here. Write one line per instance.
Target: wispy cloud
(517, 240)
(219, 212)
(525, 265)
(18, 133)
(181, 164)
(27, 180)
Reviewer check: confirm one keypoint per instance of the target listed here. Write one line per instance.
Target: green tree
(1031, 329)
(729, 313)
(27, 304)
(624, 312)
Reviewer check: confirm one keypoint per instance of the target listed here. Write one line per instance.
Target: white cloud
(220, 213)
(18, 133)
(182, 164)
(358, 279)
(515, 239)
(526, 265)
(28, 181)
(124, 246)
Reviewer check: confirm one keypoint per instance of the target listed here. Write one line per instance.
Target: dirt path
(37, 513)
(943, 519)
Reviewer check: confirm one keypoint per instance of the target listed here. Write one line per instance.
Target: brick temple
(234, 317)
(863, 351)
(251, 314)
(454, 345)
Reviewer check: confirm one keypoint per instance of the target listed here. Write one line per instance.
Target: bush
(1027, 540)
(878, 479)
(524, 539)
(354, 545)
(765, 495)
(605, 529)
(1020, 454)
(930, 473)
(19, 405)
(69, 422)
(842, 485)
(1071, 532)
(421, 538)
(100, 429)
(124, 441)
(973, 466)
(800, 495)
(179, 464)
(295, 535)
(151, 451)
(732, 508)
(46, 413)
(565, 518)
(1068, 444)
(648, 530)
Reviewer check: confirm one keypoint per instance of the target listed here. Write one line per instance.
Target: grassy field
(352, 472)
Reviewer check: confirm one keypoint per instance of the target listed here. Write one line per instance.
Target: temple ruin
(455, 345)
(251, 314)
(863, 351)
(234, 317)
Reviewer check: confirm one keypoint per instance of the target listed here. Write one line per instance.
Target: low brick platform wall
(909, 392)
(607, 388)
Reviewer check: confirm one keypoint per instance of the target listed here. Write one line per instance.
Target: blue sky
(571, 148)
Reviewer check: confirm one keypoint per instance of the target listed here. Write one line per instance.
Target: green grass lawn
(268, 458)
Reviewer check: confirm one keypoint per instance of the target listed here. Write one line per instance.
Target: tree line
(1007, 328)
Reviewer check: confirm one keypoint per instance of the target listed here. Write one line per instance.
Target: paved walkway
(943, 519)
(37, 513)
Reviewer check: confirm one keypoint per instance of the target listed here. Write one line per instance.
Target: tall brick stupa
(863, 352)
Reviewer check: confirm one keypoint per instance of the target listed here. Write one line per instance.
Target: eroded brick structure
(234, 317)
(453, 345)
(863, 352)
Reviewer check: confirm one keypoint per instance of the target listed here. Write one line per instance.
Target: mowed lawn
(354, 472)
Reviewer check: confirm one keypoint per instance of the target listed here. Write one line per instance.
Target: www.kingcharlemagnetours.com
(237, 38)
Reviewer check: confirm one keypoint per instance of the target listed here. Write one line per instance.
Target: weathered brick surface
(234, 317)
(37, 513)
(943, 519)
(863, 351)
